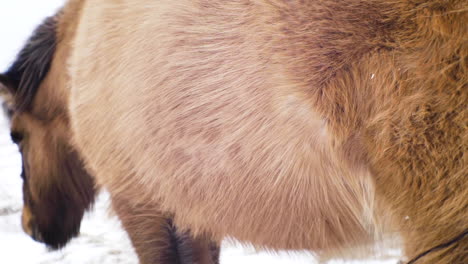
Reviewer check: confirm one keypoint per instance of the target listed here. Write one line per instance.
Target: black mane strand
(33, 63)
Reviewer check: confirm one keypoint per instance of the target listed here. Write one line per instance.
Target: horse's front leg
(157, 241)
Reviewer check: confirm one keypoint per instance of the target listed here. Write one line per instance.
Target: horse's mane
(33, 63)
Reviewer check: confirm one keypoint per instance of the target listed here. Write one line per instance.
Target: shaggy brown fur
(56, 187)
(287, 124)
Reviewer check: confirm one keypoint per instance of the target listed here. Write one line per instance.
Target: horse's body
(281, 123)
(201, 111)
(288, 124)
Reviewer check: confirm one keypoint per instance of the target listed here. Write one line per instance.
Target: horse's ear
(5, 84)
(6, 94)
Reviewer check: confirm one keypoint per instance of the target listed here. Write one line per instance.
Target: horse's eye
(16, 137)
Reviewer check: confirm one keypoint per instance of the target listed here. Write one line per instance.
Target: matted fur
(287, 124)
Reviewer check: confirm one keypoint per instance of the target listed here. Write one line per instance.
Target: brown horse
(57, 189)
(315, 125)
(288, 124)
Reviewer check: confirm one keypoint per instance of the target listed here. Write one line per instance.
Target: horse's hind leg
(157, 241)
(200, 250)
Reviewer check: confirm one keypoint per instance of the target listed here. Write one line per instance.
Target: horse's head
(56, 187)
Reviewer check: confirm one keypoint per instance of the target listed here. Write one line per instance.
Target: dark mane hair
(32, 63)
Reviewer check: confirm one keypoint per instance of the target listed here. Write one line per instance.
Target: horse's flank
(308, 117)
(223, 105)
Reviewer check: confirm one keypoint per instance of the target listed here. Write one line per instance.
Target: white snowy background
(102, 239)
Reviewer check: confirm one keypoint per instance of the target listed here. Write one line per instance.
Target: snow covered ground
(102, 239)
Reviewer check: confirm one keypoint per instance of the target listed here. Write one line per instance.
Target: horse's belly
(190, 104)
